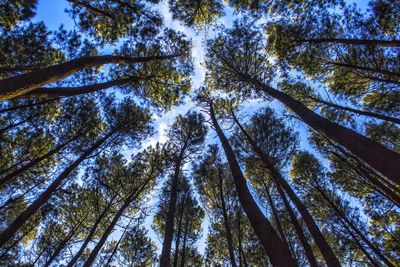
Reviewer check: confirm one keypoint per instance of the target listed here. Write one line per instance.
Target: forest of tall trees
(114, 151)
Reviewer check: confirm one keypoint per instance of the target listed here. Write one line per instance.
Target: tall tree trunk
(63, 242)
(183, 259)
(12, 229)
(35, 161)
(28, 105)
(350, 224)
(276, 216)
(135, 193)
(92, 232)
(45, 92)
(165, 259)
(382, 159)
(279, 255)
(116, 247)
(320, 240)
(226, 222)
(387, 73)
(24, 83)
(178, 234)
(366, 42)
(299, 230)
(9, 127)
(357, 111)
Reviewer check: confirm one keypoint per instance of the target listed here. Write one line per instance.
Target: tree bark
(320, 240)
(382, 159)
(165, 259)
(12, 229)
(366, 42)
(279, 255)
(22, 84)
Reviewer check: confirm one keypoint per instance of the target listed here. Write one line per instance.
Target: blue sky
(52, 12)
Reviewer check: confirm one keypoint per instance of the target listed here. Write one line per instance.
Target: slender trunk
(346, 219)
(382, 159)
(25, 83)
(116, 247)
(357, 111)
(12, 229)
(279, 255)
(35, 161)
(116, 218)
(62, 244)
(178, 234)
(165, 259)
(184, 242)
(369, 69)
(28, 105)
(276, 216)
(9, 127)
(299, 230)
(320, 240)
(366, 42)
(226, 222)
(73, 91)
(92, 8)
(90, 235)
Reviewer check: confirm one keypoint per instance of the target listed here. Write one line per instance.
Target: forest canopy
(199, 133)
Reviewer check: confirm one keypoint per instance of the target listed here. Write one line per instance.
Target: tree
(185, 136)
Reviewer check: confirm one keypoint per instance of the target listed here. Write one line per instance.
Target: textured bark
(22, 84)
(13, 228)
(382, 159)
(278, 254)
(366, 42)
(320, 240)
(165, 259)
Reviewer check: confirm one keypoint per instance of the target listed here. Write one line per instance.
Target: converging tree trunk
(24, 83)
(366, 42)
(320, 240)
(278, 254)
(382, 159)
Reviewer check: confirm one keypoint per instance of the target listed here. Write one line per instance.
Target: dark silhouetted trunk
(320, 240)
(21, 84)
(165, 259)
(299, 230)
(226, 222)
(178, 234)
(28, 105)
(366, 42)
(12, 229)
(382, 159)
(92, 232)
(278, 254)
(35, 161)
(73, 91)
(357, 111)
(183, 259)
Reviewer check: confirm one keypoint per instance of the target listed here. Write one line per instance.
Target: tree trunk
(12, 229)
(89, 261)
(165, 259)
(73, 91)
(92, 232)
(184, 242)
(369, 69)
(382, 159)
(347, 221)
(226, 222)
(25, 83)
(178, 234)
(357, 111)
(28, 105)
(35, 161)
(299, 230)
(320, 240)
(366, 42)
(279, 255)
